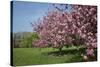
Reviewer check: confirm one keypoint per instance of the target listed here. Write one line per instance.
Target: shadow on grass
(74, 53)
(66, 52)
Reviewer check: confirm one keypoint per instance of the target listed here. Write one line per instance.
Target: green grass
(34, 56)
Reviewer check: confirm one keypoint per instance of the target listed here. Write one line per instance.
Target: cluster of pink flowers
(87, 26)
(57, 27)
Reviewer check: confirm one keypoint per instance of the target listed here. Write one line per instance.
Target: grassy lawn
(34, 56)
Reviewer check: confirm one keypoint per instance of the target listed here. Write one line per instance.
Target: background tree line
(24, 39)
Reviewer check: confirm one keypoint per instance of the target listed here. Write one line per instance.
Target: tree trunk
(60, 49)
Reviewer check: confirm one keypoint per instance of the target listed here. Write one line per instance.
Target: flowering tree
(54, 30)
(58, 27)
(85, 21)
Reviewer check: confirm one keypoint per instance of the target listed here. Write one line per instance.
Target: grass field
(34, 56)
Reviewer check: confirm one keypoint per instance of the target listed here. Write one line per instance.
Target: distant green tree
(27, 41)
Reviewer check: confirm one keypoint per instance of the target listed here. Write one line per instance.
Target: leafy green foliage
(24, 39)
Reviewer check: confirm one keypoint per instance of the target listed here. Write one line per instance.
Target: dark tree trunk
(60, 49)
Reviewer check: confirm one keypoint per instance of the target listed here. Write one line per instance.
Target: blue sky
(25, 13)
